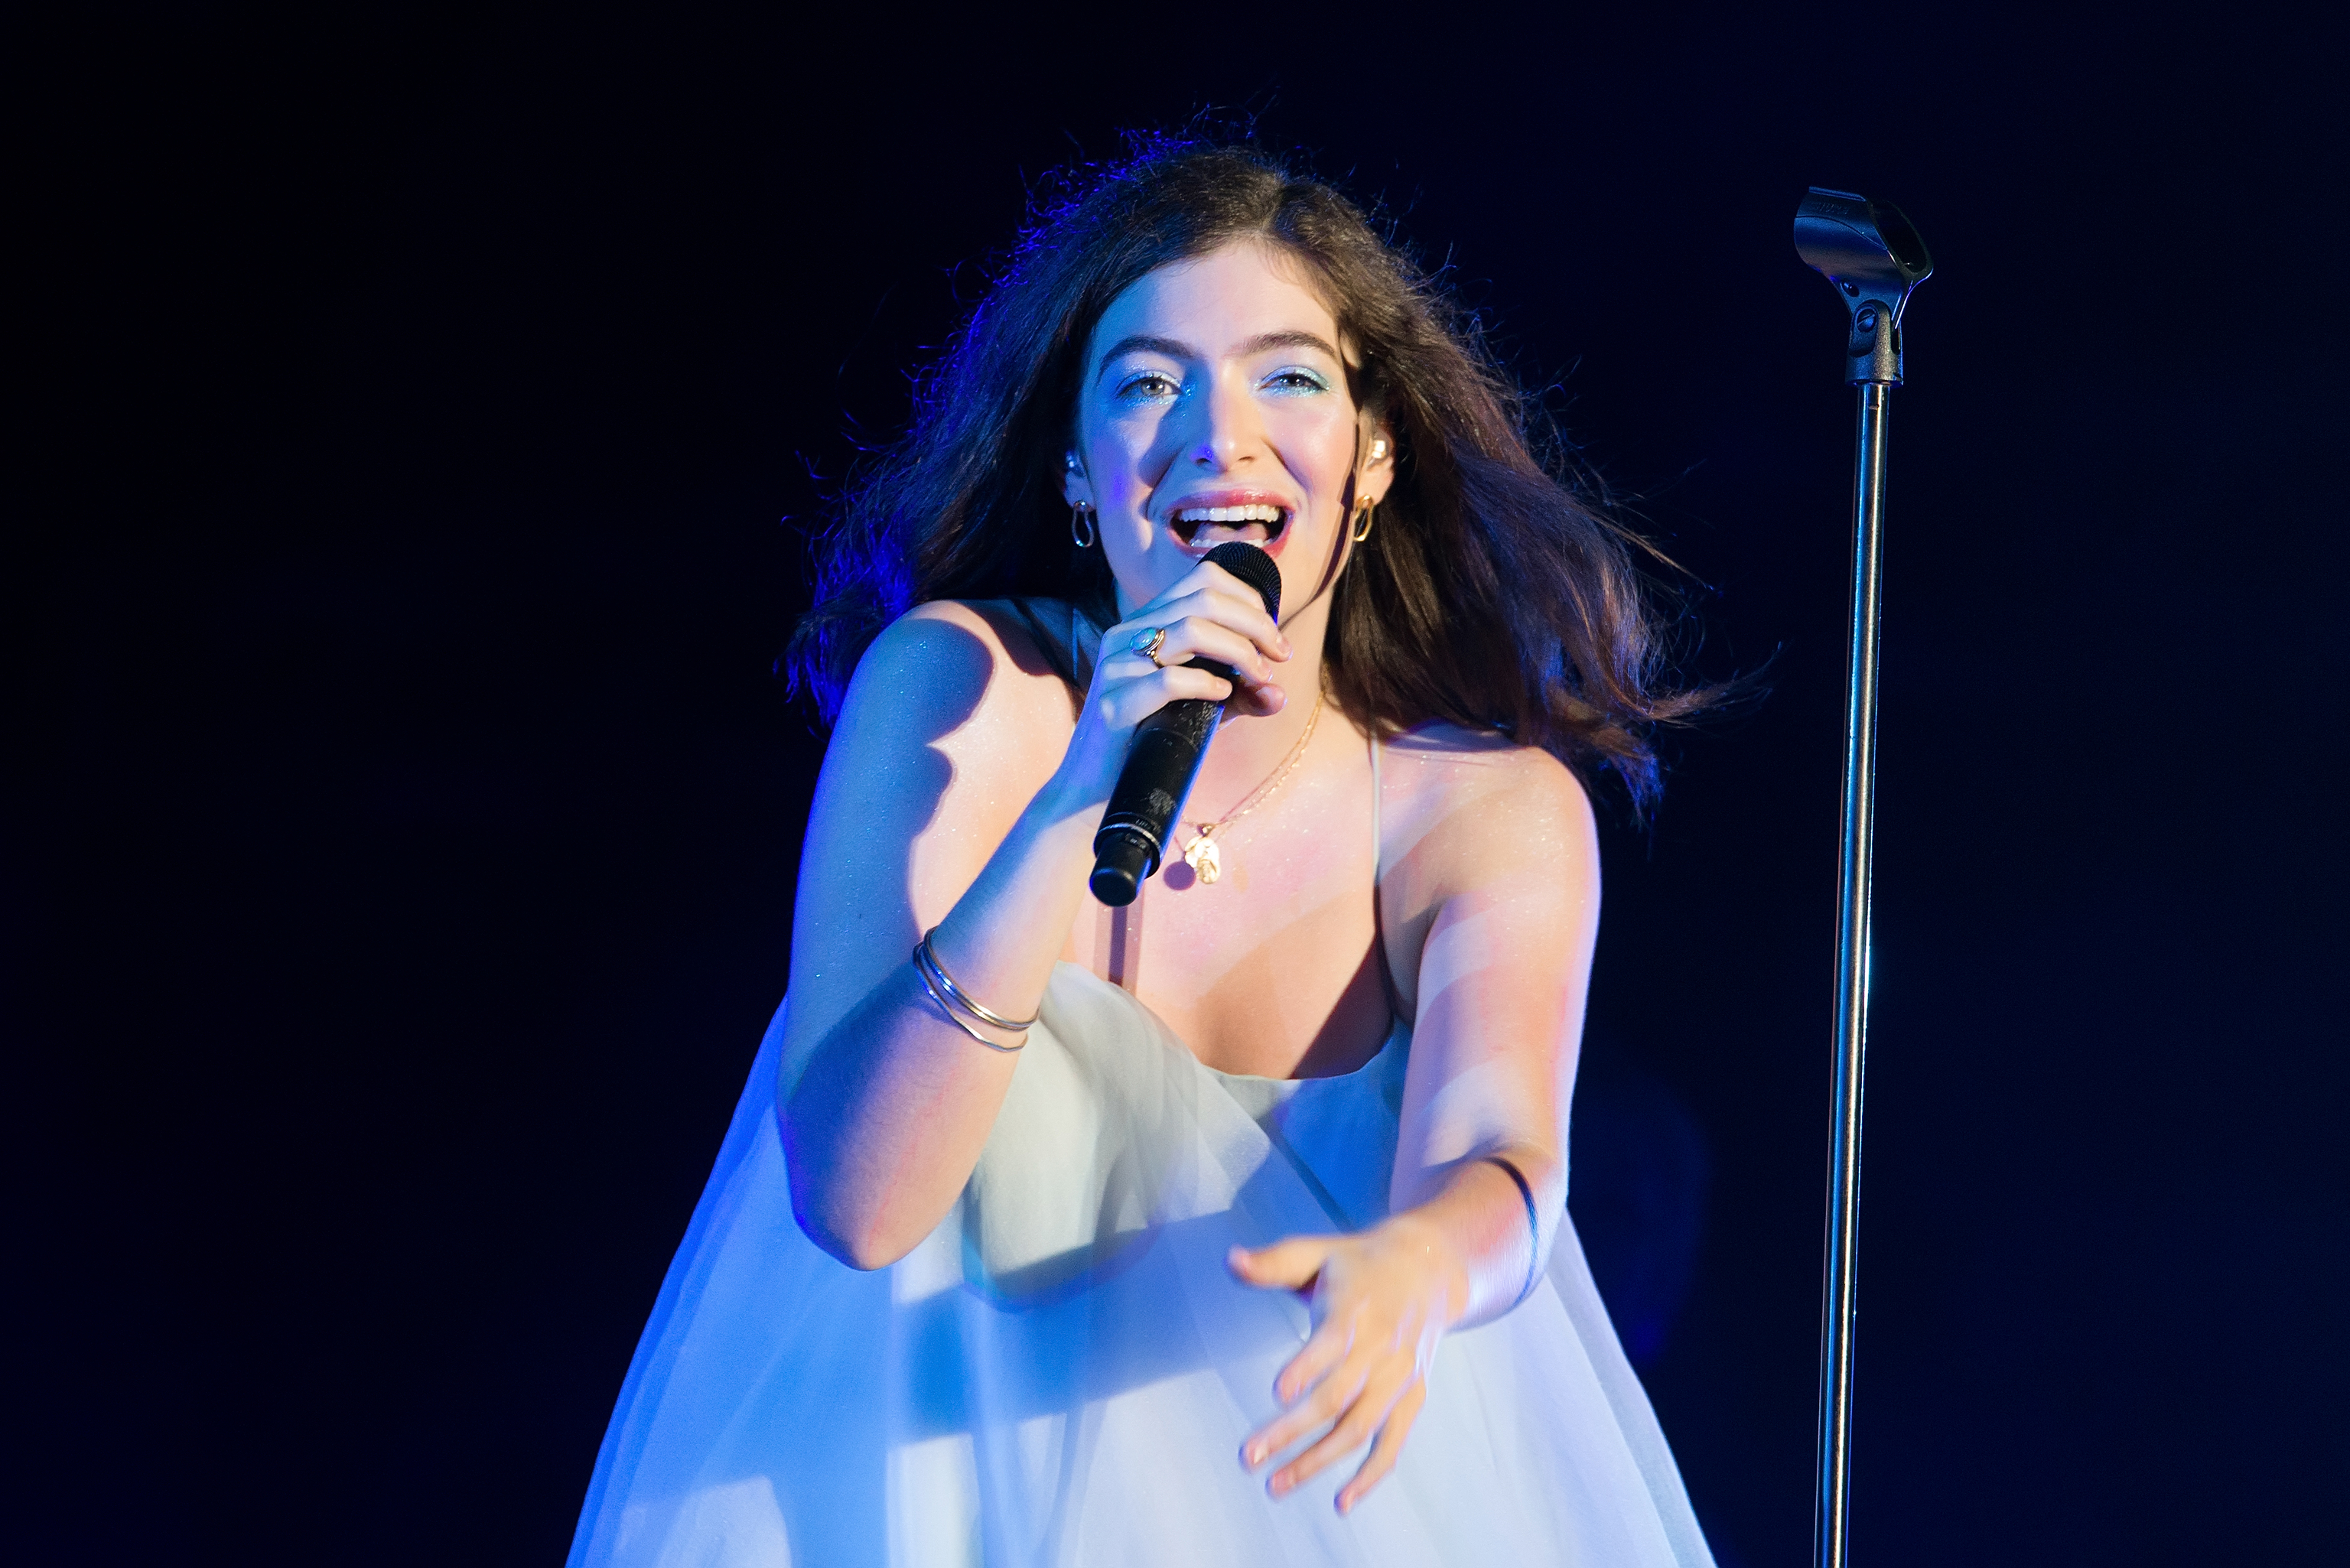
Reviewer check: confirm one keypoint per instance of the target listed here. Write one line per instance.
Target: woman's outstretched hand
(1381, 1299)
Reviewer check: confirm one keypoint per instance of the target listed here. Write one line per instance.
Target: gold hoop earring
(1365, 518)
(1081, 516)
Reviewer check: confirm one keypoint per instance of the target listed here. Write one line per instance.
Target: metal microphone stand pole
(1873, 257)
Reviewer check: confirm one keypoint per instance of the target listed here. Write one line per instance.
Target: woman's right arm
(942, 803)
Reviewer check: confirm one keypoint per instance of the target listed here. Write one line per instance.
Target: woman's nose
(1229, 432)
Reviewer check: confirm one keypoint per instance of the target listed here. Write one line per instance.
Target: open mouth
(1203, 528)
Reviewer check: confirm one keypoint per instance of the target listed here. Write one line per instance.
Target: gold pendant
(1206, 861)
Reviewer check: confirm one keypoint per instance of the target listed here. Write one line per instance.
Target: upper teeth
(1229, 515)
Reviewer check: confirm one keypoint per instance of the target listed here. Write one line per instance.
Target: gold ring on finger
(1149, 642)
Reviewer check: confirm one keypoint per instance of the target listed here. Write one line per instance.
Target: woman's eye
(1294, 382)
(1149, 386)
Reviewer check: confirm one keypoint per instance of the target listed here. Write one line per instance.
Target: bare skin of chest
(1270, 969)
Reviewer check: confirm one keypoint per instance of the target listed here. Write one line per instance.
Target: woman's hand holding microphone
(1208, 613)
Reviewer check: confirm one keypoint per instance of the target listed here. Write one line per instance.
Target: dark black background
(401, 819)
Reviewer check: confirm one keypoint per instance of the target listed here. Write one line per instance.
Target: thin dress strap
(1378, 922)
(1063, 664)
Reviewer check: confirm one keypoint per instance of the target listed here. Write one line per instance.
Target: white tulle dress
(1064, 1372)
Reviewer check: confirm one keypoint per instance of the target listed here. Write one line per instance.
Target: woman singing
(1229, 1227)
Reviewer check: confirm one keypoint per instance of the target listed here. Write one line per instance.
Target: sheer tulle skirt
(1064, 1371)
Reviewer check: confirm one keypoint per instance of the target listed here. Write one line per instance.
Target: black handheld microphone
(1165, 757)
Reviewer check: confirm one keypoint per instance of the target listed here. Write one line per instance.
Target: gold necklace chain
(1202, 853)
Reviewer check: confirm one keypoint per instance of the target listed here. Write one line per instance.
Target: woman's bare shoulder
(1470, 804)
(942, 662)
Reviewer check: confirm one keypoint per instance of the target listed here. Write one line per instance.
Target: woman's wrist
(1483, 1221)
(1076, 790)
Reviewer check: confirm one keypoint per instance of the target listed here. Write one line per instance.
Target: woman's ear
(1379, 463)
(1075, 488)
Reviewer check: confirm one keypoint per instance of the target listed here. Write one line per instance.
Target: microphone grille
(1254, 567)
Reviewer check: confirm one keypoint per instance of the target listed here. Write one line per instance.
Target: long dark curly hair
(1494, 593)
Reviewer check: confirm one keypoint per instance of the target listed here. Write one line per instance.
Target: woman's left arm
(1503, 879)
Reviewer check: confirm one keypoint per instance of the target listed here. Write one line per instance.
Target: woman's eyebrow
(1265, 340)
(1142, 343)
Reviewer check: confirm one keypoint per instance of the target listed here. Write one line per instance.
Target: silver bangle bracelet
(952, 1017)
(927, 956)
(951, 997)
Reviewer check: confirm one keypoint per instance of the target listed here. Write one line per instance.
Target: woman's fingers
(1209, 614)
(1292, 1264)
(1382, 1457)
(1128, 703)
(1310, 1366)
(1192, 637)
(1209, 591)
(1330, 1399)
(1362, 1416)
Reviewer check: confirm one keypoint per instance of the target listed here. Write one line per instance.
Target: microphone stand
(1873, 256)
